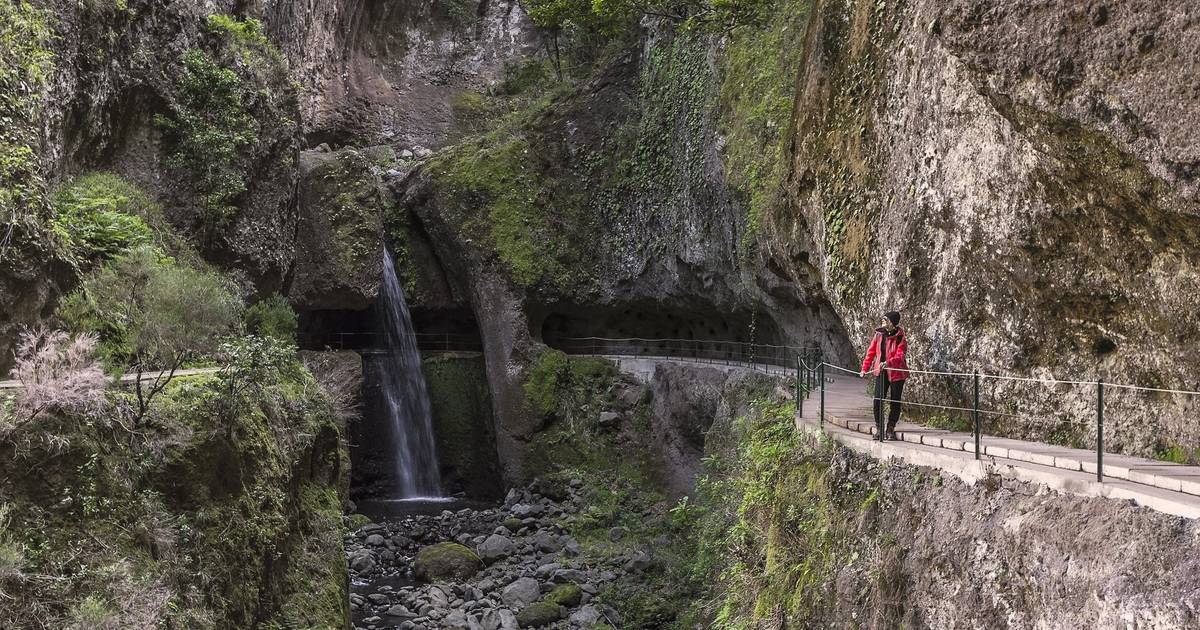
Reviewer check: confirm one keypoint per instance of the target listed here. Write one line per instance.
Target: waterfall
(407, 400)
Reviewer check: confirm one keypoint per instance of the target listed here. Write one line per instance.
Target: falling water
(406, 397)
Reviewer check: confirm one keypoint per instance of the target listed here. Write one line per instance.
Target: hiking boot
(890, 434)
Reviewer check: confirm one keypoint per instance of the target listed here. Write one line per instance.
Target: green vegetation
(100, 216)
(756, 94)
(228, 101)
(771, 526)
(565, 595)
(515, 211)
(201, 520)
(272, 317)
(151, 312)
(211, 125)
(346, 189)
(1179, 454)
(26, 63)
(558, 386)
(622, 483)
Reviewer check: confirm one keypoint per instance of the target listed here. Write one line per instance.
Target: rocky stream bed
(493, 568)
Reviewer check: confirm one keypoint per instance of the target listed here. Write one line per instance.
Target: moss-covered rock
(462, 423)
(236, 499)
(539, 614)
(446, 561)
(566, 595)
(339, 246)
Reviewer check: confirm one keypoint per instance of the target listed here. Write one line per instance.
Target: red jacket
(897, 347)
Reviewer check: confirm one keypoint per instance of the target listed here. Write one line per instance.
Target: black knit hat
(893, 317)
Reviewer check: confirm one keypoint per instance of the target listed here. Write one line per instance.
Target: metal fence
(974, 383)
(369, 341)
(810, 371)
(756, 356)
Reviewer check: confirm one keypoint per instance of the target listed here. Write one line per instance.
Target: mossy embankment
(223, 516)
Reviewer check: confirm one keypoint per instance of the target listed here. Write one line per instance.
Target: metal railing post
(1100, 430)
(808, 376)
(821, 374)
(799, 398)
(975, 413)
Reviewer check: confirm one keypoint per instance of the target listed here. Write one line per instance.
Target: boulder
(521, 592)
(586, 616)
(362, 561)
(539, 614)
(609, 419)
(568, 595)
(446, 561)
(496, 547)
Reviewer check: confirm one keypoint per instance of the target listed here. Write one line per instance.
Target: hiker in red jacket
(892, 360)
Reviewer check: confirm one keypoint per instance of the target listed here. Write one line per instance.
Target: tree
(154, 315)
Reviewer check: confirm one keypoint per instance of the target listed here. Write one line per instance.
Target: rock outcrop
(1019, 182)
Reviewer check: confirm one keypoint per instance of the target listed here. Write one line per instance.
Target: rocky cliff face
(1016, 180)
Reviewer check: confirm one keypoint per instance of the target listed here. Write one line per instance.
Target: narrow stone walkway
(1164, 486)
(130, 378)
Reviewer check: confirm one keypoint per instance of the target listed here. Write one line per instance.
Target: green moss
(565, 595)
(446, 561)
(315, 582)
(758, 82)
(518, 220)
(462, 419)
(26, 65)
(557, 385)
(350, 199)
(539, 614)
(772, 525)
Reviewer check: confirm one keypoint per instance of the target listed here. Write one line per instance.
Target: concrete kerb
(964, 466)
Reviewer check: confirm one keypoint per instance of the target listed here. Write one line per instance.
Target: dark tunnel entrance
(651, 329)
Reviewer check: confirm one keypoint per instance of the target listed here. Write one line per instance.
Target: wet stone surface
(529, 569)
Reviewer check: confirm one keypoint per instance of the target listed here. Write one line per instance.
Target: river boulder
(446, 561)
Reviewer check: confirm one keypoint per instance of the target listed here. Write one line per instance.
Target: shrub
(56, 373)
(93, 613)
(272, 317)
(100, 216)
(249, 364)
(153, 314)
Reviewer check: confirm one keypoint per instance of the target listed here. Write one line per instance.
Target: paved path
(1164, 486)
(129, 378)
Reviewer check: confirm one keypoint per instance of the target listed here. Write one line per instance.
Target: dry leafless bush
(57, 373)
(340, 380)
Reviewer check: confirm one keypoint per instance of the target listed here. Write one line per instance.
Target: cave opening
(698, 330)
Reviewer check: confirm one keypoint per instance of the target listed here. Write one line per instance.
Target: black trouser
(895, 389)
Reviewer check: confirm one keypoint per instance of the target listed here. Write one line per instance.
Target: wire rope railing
(810, 373)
